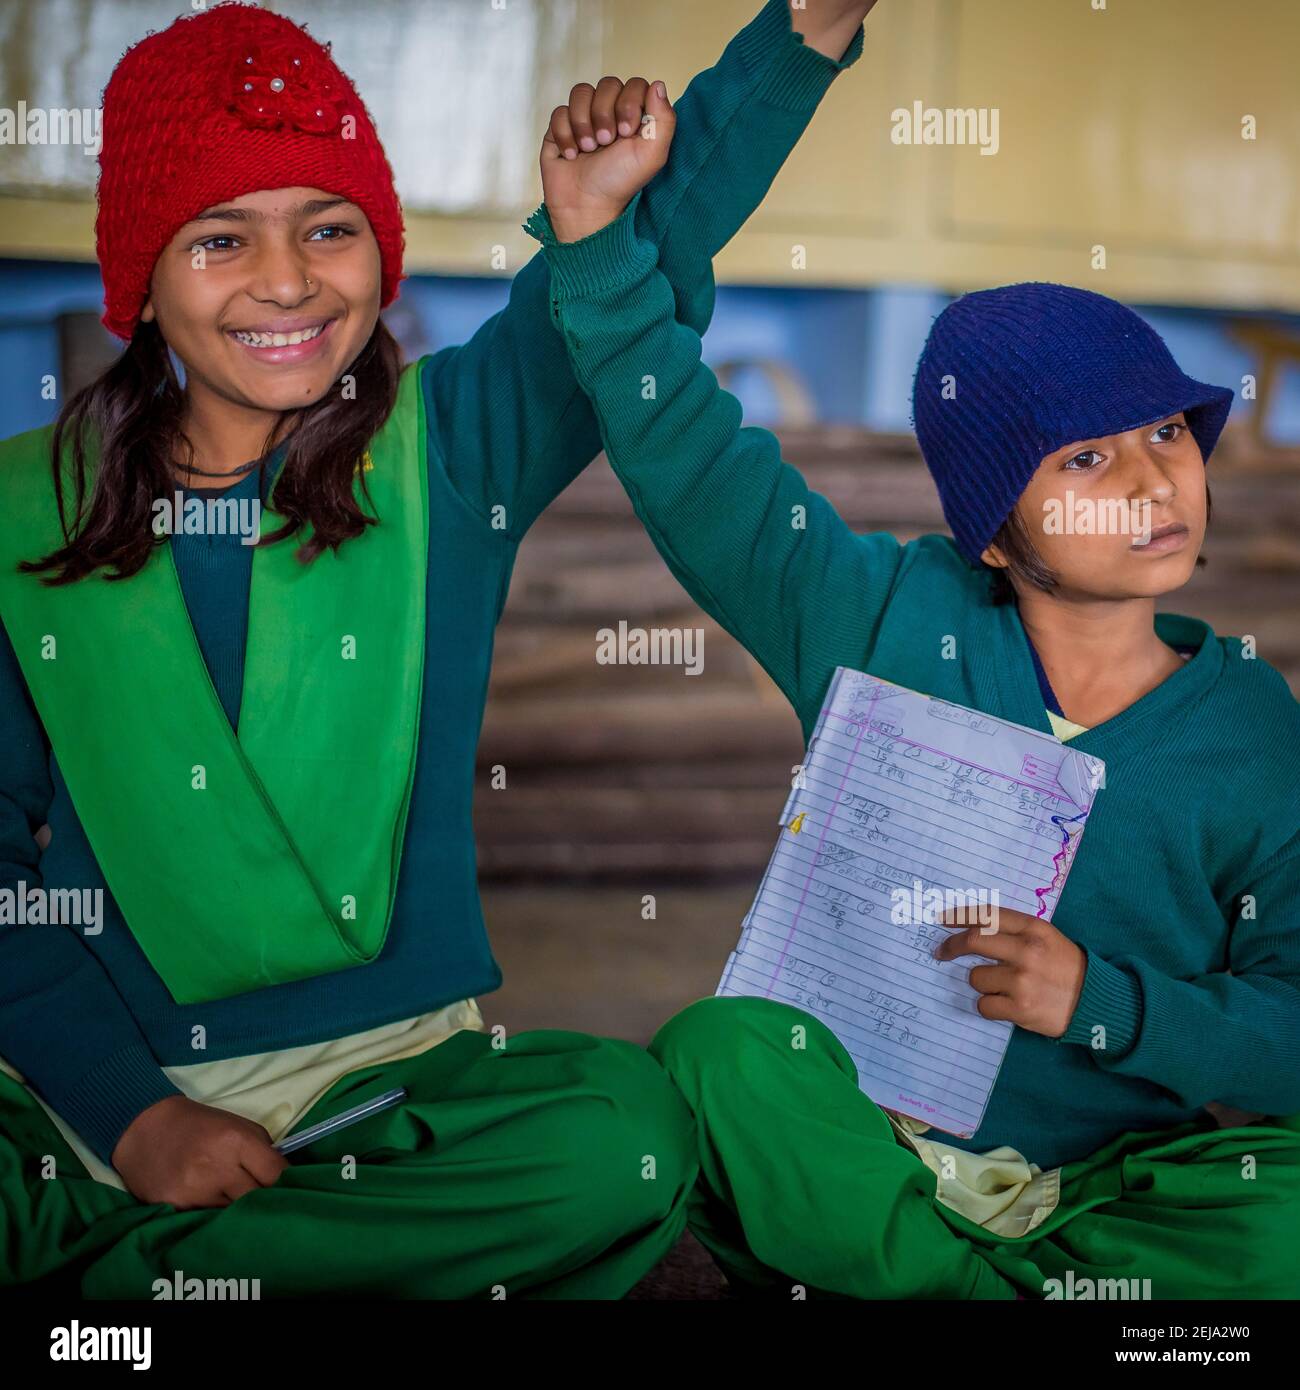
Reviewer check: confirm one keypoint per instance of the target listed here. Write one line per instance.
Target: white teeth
(265, 340)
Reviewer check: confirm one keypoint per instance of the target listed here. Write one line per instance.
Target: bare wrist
(573, 224)
(830, 39)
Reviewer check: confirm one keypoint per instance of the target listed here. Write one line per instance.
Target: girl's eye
(1082, 460)
(344, 231)
(1168, 438)
(232, 241)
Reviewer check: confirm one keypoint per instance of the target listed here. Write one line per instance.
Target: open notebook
(905, 800)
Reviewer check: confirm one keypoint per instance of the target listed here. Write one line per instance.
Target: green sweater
(1185, 893)
(85, 1018)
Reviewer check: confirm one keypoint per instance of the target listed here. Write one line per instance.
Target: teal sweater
(1185, 893)
(85, 1018)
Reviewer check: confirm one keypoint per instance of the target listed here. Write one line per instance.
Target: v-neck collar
(1009, 683)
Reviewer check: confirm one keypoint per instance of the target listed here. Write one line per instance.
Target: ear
(991, 555)
(146, 314)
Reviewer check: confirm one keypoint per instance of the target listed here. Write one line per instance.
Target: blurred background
(1121, 125)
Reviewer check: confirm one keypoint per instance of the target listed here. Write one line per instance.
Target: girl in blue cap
(1069, 451)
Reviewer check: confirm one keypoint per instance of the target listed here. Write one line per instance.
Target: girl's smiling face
(1091, 505)
(267, 298)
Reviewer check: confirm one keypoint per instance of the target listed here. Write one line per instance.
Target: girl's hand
(608, 142)
(194, 1155)
(1038, 973)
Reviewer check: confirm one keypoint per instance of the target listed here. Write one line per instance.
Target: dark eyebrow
(307, 209)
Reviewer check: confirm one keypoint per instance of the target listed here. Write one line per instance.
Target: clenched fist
(194, 1155)
(600, 149)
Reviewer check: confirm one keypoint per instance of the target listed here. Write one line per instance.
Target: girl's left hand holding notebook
(1037, 972)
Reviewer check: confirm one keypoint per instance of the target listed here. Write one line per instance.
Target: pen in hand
(341, 1120)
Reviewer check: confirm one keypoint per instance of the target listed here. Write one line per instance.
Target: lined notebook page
(903, 797)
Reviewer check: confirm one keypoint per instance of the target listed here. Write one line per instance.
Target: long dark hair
(134, 411)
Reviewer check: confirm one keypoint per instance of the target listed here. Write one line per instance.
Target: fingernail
(587, 143)
(624, 128)
(604, 137)
(662, 90)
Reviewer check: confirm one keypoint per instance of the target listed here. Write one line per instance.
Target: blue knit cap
(1012, 374)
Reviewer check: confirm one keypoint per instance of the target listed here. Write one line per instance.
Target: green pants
(556, 1167)
(803, 1181)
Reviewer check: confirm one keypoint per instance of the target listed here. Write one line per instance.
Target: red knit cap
(222, 103)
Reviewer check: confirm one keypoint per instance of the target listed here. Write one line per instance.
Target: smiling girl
(1170, 977)
(262, 757)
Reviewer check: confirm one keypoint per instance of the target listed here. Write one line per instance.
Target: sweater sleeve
(506, 415)
(1230, 1038)
(62, 1023)
(767, 557)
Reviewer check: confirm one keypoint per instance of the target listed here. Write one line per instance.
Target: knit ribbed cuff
(1111, 999)
(612, 256)
(793, 76)
(111, 1094)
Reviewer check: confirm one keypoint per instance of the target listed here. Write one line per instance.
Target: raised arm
(516, 427)
(62, 1024)
(770, 559)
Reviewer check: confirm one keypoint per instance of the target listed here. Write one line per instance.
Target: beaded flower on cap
(278, 83)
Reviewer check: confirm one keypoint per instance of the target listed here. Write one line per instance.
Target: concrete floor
(583, 958)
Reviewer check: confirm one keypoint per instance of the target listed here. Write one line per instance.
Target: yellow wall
(1119, 128)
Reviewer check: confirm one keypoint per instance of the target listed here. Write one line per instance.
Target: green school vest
(238, 862)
